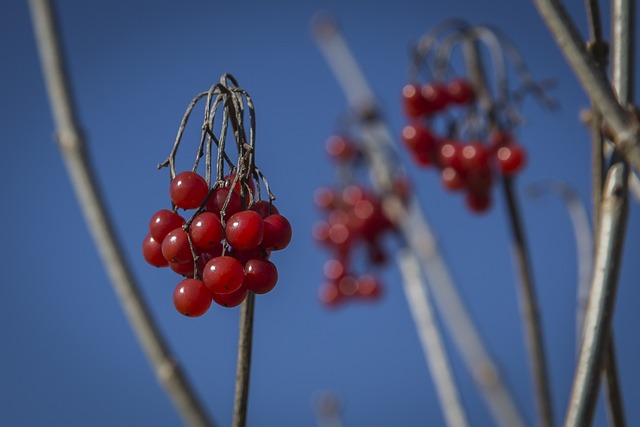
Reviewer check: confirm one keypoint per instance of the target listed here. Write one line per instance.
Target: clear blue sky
(67, 356)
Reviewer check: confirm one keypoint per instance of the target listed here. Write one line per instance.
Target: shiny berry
(175, 247)
(232, 299)
(188, 190)
(223, 275)
(244, 230)
(206, 230)
(277, 232)
(192, 298)
(260, 276)
(162, 222)
(264, 208)
(218, 199)
(152, 252)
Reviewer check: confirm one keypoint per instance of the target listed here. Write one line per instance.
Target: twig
(528, 300)
(245, 338)
(625, 129)
(414, 227)
(73, 148)
(584, 243)
(529, 307)
(602, 299)
(429, 334)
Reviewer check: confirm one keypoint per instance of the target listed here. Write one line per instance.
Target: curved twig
(76, 158)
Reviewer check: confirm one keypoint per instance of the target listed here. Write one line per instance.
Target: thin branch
(625, 129)
(529, 307)
(432, 346)
(415, 229)
(72, 145)
(599, 313)
(245, 340)
(527, 293)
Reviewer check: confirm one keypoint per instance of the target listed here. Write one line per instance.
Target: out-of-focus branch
(625, 128)
(429, 334)
(72, 145)
(597, 325)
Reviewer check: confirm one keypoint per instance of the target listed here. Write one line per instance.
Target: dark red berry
(260, 276)
(175, 247)
(277, 232)
(162, 222)
(206, 230)
(152, 252)
(244, 230)
(223, 275)
(460, 91)
(192, 298)
(232, 299)
(188, 190)
(511, 159)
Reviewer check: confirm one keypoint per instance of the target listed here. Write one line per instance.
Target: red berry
(478, 202)
(152, 252)
(452, 179)
(340, 148)
(436, 97)
(175, 247)
(450, 155)
(369, 287)
(192, 298)
(475, 156)
(183, 269)
(249, 254)
(500, 138)
(264, 208)
(244, 230)
(325, 198)
(348, 285)
(460, 91)
(511, 158)
(260, 276)
(277, 232)
(330, 295)
(223, 275)
(188, 190)
(206, 230)
(219, 198)
(162, 222)
(244, 184)
(421, 142)
(413, 102)
(232, 299)
(334, 269)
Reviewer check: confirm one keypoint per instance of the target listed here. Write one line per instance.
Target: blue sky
(67, 356)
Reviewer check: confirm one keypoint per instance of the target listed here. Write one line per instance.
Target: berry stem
(528, 300)
(74, 151)
(245, 340)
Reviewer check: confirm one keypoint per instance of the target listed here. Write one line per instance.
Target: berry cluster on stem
(355, 224)
(223, 249)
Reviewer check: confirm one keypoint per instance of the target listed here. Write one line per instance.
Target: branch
(597, 323)
(72, 146)
(625, 129)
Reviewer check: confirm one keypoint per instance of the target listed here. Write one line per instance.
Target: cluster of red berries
(221, 259)
(468, 166)
(355, 219)
(223, 249)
